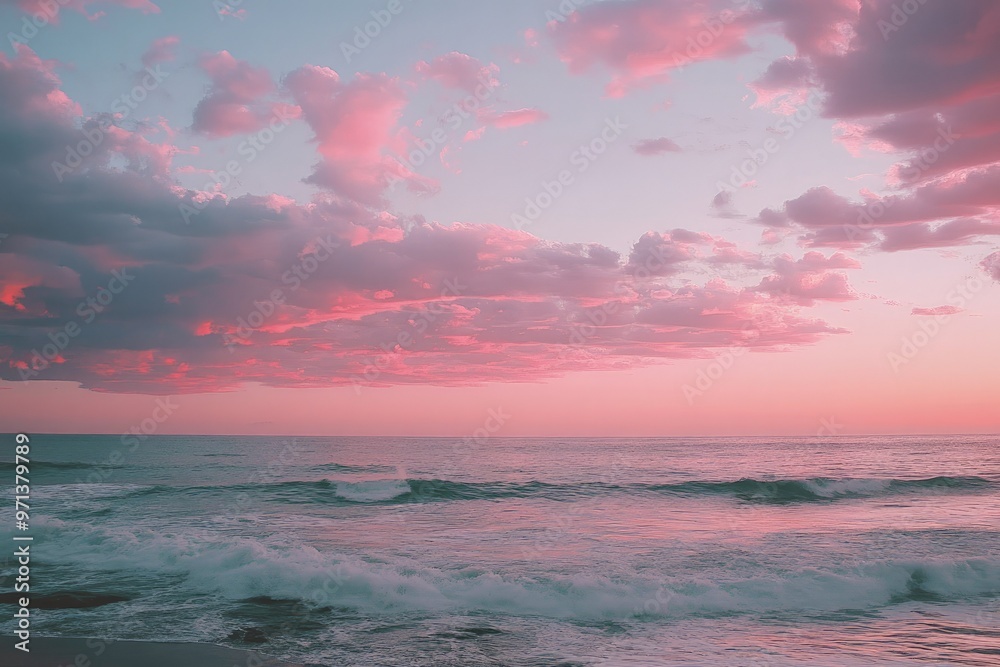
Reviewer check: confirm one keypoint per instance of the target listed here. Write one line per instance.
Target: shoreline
(89, 652)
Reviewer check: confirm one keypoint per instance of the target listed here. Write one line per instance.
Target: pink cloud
(35, 83)
(515, 118)
(936, 311)
(355, 123)
(161, 50)
(810, 278)
(784, 85)
(454, 304)
(474, 135)
(655, 146)
(945, 126)
(231, 106)
(49, 9)
(770, 237)
(722, 205)
(991, 264)
(923, 235)
(42, 104)
(227, 9)
(816, 27)
(642, 40)
(21, 276)
(459, 71)
(856, 138)
(949, 45)
(966, 204)
(445, 305)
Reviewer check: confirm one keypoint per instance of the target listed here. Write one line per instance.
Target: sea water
(435, 551)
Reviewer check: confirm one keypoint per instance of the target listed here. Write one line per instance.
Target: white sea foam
(371, 491)
(53, 493)
(240, 568)
(832, 488)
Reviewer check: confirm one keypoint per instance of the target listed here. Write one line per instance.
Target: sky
(529, 218)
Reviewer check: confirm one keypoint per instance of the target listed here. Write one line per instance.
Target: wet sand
(78, 652)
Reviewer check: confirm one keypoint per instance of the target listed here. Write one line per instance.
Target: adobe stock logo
(364, 34)
(932, 324)
(582, 158)
(294, 278)
(909, 176)
(87, 310)
(248, 149)
(45, 12)
(96, 130)
(901, 13)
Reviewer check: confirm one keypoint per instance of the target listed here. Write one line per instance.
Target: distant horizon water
(523, 437)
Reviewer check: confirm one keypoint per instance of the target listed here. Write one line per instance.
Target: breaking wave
(398, 491)
(246, 569)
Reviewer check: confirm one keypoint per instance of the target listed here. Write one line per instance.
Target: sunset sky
(627, 217)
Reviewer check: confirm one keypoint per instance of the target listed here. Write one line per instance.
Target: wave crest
(245, 569)
(400, 491)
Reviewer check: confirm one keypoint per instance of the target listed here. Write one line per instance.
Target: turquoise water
(395, 551)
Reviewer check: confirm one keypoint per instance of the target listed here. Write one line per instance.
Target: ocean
(345, 551)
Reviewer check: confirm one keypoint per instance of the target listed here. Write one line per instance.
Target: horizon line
(503, 437)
